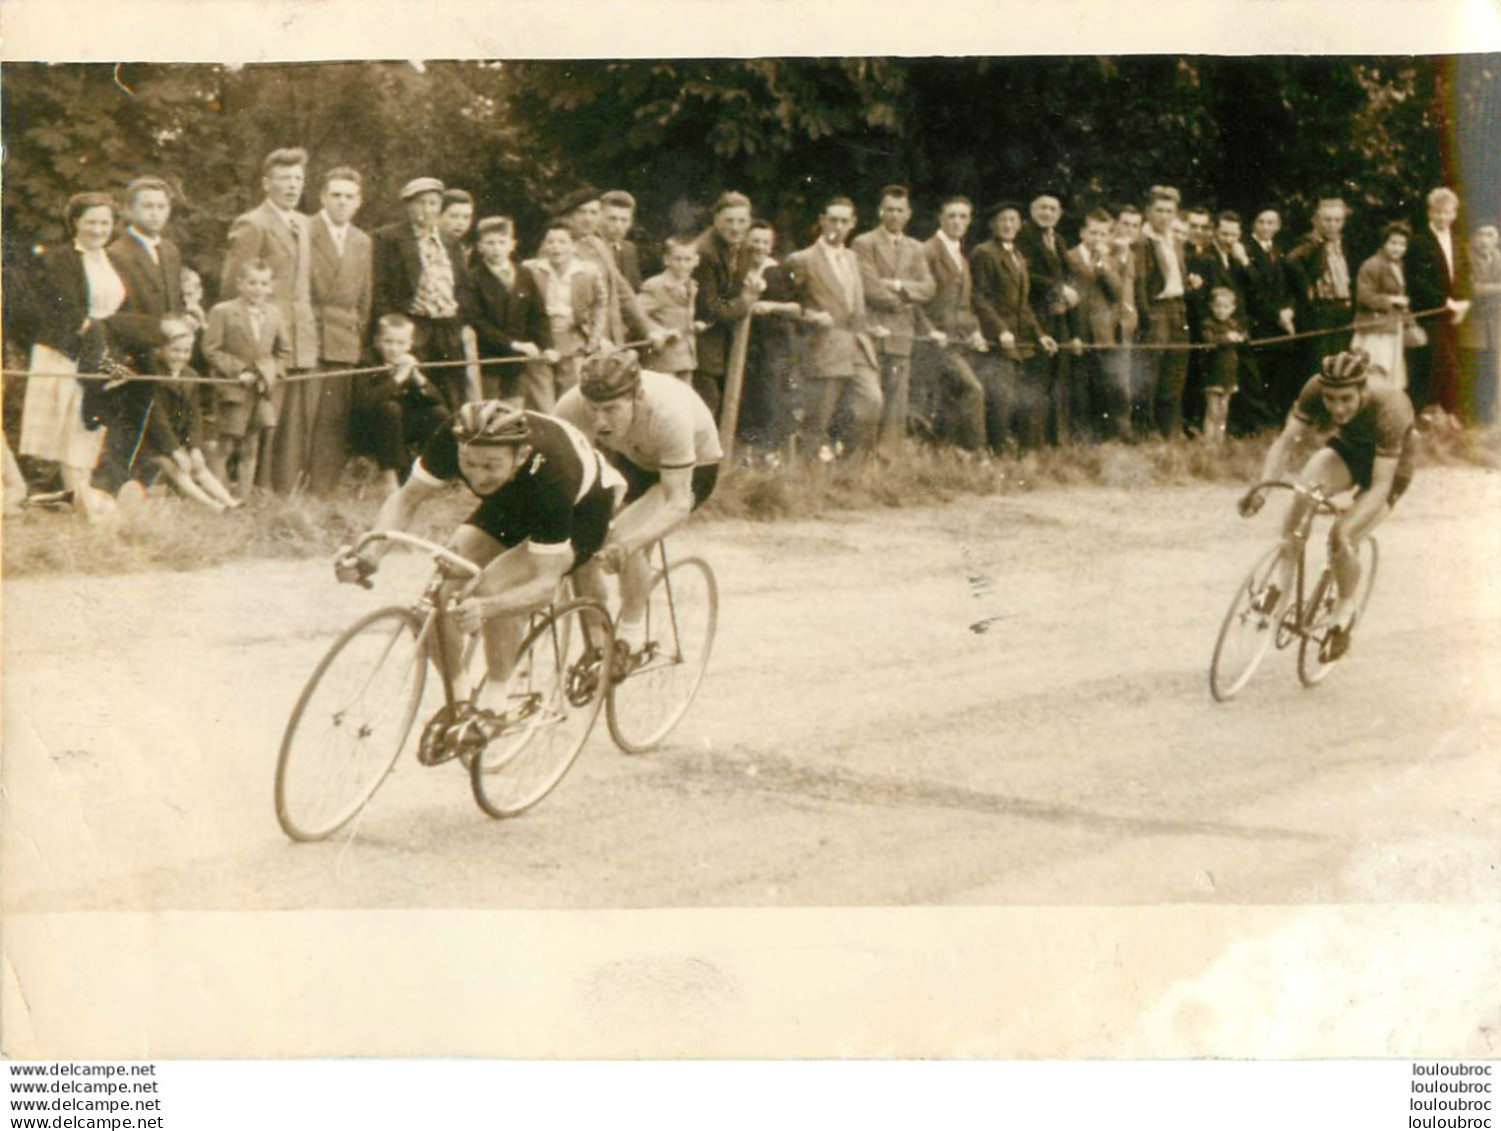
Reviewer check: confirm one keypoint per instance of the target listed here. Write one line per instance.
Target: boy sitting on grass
(395, 412)
(174, 432)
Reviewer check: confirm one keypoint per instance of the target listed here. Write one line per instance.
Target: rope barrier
(1023, 348)
(125, 376)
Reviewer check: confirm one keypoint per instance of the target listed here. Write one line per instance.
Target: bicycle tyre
(1312, 668)
(558, 684)
(1245, 634)
(378, 666)
(681, 618)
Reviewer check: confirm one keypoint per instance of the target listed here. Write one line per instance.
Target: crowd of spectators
(995, 333)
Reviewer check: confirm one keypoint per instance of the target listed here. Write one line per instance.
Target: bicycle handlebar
(441, 553)
(1322, 502)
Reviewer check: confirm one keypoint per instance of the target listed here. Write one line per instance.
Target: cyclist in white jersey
(661, 437)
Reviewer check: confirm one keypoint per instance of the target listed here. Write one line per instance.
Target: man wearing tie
(1053, 297)
(150, 267)
(894, 274)
(341, 291)
(1269, 304)
(278, 234)
(842, 368)
(951, 314)
(617, 214)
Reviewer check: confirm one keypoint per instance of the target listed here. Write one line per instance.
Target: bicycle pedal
(436, 745)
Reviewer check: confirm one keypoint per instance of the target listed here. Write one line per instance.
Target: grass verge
(167, 533)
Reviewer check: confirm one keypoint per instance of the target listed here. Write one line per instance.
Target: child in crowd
(1222, 330)
(563, 314)
(394, 413)
(192, 298)
(174, 434)
(246, 345)
(667, 304)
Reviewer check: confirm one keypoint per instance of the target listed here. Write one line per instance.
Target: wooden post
(734, 382)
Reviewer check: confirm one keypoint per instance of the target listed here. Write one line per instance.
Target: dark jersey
(542, 501)
(1381, 426)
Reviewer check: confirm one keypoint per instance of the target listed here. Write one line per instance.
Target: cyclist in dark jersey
(546, 498)
(1371, 450)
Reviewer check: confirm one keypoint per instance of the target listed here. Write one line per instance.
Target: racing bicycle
(356, 713)
(653, 687)
(1261, 615)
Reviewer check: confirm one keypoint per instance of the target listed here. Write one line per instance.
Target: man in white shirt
(276, 232)
(959, 401)
(1437, 267)
(341, 286)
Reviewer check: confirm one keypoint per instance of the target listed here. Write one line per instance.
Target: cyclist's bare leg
(1327, 472)
(635, 584)
(478, 547)
(1344, 536)
(502, 633)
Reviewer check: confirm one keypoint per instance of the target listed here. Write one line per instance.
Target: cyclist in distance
(546, 498)
(1371, 449)
(661, 436)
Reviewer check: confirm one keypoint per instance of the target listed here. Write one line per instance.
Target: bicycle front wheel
(681, 615)
(552, 699)
(1248, 630)
(350, 724)
(1312, 667)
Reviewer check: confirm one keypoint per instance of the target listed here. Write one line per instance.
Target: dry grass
(170, 534)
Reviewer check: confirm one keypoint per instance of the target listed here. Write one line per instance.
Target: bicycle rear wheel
(349, 724)
(681, 615)
(1312, 667)
(1248, 630)
(552, 700)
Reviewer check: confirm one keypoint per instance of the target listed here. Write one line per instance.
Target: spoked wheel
(350, 724)
(552, 700)
(653, 693)
(1249, 628)
(1312, 664)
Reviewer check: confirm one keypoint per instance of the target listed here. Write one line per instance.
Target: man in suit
(277, 233)
(955, 329)
(1228, 265)
(1269, 311)
(419, 272)
(1052, 296)
(725, 293)
(150, 266)
(584, 212)
(1162, 285)
(1104, 371)
(1015, 403)
(1438, 275)
(894, 275)
(1323, 284)
(342, 290)
(617, 214)
(843, 370)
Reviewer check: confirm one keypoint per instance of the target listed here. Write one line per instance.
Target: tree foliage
(1232, 133)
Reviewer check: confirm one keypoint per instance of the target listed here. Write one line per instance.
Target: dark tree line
(1236, 133)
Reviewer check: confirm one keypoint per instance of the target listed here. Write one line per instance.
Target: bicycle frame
(1297, 543)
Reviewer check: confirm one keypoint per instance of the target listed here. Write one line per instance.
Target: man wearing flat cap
(582, 211)
(419, 273)
(1002, 299)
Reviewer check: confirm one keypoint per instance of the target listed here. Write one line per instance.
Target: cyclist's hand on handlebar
(1251, 502)
(468, 615)
(352, 568)
(612, 557)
